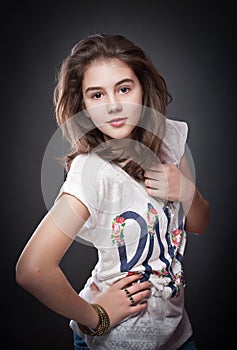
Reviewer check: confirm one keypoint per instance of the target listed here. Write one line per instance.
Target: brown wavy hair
(81, 132)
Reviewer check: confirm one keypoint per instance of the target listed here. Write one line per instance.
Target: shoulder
(87, 165)
(78, 162)
(83, 180)
(90, 172)
(176, 130)
(174, 141)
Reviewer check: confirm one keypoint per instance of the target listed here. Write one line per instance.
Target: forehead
(110, 71)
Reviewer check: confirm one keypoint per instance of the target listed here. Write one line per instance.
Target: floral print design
(177, 237)
(117, 235)
(152, 217)
(178, 278)
(160, 273)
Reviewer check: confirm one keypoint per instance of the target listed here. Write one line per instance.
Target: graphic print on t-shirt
(149, 229)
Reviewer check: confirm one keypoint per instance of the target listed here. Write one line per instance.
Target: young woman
(129, 192)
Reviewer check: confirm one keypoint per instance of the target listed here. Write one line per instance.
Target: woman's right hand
(117, 303)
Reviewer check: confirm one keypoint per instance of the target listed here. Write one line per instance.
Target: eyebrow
(127, 80)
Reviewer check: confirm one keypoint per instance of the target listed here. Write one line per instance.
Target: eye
(97, 95)
(124, 89)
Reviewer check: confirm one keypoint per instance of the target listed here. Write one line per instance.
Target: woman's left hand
(166, 181)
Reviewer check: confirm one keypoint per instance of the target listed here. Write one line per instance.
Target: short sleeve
(174, 141)
(78, 184)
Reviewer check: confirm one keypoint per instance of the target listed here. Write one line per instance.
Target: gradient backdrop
(192, 45)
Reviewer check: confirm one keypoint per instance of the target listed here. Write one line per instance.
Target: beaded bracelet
(103, 324)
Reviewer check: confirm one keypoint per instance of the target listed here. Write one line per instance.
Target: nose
(114, 107)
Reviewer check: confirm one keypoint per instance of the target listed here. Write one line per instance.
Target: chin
(117, 137)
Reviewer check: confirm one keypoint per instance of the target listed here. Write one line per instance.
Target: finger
(157, 176)
(161, 167)
(140, 297)
(139, 287)
(155, 184)
(155, 167)
(157, 193)
(149, 174)
(126, 281)
(137, 293)
(138, 308)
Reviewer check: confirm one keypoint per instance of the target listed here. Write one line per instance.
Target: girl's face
(112, 95)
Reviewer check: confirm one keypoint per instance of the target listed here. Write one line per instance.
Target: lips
(117, 122)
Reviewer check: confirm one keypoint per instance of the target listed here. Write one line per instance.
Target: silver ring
(129, 296)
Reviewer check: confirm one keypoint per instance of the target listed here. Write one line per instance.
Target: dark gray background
(192, 45)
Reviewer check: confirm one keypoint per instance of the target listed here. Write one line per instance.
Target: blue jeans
(79, 344)
(189, 344)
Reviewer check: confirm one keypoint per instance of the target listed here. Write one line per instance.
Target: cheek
(97, 114)
(134, 112)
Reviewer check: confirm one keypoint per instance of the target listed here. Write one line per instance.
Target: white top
(131, 230)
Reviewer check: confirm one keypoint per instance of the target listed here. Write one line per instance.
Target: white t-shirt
(131, 230)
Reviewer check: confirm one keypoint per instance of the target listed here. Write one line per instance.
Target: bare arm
(196, 207)
(38, 269)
